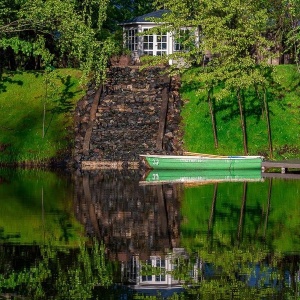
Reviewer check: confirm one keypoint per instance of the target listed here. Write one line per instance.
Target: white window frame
(185, 34)
(156, 44)
(131, 39)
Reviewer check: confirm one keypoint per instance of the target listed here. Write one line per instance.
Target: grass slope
(284, 107)
(22, 99)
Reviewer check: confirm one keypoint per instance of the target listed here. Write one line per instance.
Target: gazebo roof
(145, 18)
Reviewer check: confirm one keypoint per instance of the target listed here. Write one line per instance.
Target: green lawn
(22, 99)
(284, 106)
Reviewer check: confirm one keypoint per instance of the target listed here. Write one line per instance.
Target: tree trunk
(93, 111)
(44, 109)
(268, 123)
(212, 115)
(243, 124)
(211, 218)
(212, 209)
(243, 206)
(268, 207)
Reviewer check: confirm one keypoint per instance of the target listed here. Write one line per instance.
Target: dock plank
(284, 165)
(281, 175)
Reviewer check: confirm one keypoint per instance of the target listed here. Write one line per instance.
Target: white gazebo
(140, 43)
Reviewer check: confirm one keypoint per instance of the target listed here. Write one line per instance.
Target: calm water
(110, 235)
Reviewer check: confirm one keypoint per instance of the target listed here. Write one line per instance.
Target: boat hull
(169, 162)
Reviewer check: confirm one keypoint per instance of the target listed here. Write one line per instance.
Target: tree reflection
(59, 273)
(233, 238)
(238, 273)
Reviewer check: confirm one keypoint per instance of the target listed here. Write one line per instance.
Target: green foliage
(233, 262)
(293, 35)
(123, 10)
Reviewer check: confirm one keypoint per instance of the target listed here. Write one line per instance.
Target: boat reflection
(201, 176)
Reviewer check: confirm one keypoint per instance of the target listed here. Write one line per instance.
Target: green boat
(200, 176)
(202, 162)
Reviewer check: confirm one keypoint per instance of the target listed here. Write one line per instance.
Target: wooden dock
(281, 175)
(284, 165)
(106, 165)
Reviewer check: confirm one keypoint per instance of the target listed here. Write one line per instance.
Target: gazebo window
(148, 43)
(181, 40)
(154, 44)
(131, 39)
(161, 44)
(161, 267)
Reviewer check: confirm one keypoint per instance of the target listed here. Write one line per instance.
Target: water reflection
(36, 206)
(214, 240)
(52, 272)
(129, 218)
(265, 214)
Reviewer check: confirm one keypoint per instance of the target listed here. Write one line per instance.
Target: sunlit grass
(284, 108)
(22, 97)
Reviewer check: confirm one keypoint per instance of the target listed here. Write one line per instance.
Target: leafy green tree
(119, 11)
(58, 273)
(234, 34)
(73, 34)
(293, 35)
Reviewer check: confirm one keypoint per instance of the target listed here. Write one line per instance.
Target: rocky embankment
(127, 119)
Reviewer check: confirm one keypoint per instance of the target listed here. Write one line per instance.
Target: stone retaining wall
(127, 118)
